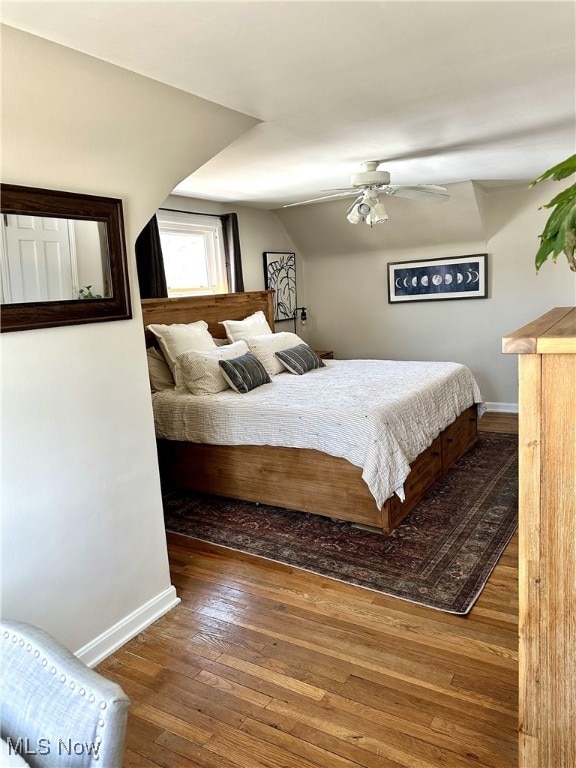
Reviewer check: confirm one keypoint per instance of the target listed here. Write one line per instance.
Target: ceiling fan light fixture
(354, 217)
(378, 214)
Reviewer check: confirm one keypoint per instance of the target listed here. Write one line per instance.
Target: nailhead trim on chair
(53, 671)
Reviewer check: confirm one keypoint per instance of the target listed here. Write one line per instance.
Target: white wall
(346, 280)
(84, 550)
(91, 256)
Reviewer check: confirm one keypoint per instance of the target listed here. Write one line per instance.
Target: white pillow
(265, 348)
(181, 337)
(200, 373)
(158, 371)
(253, 325)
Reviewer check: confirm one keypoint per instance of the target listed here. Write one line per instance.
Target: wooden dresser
(547, 531)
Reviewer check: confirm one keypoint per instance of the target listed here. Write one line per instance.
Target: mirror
(62, 259)
(50, 259)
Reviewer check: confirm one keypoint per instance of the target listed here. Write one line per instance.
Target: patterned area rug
(440, 556)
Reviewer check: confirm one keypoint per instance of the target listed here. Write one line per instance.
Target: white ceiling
(442, 91)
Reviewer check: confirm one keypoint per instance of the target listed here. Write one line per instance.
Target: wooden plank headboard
(212, 309)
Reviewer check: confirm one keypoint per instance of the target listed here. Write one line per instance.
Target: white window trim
(211, 228)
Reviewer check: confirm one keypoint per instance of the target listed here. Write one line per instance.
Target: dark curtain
(149, 262)
(232, 251)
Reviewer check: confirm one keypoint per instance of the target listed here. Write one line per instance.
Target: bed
(366, 480)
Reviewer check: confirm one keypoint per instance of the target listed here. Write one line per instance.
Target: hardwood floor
(264, 666)
(499, 422)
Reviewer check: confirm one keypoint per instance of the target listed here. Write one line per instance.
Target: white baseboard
(503, 407)
(98, 649)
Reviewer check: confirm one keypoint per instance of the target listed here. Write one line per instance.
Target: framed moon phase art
(457, 277)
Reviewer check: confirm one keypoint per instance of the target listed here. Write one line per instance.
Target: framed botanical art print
(280, 276)
(455, 277)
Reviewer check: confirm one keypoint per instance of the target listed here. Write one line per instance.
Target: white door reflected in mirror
(46, 258)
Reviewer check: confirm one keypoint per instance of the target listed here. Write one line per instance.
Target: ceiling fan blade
(342, 189)
(347, 193)
(431, 192)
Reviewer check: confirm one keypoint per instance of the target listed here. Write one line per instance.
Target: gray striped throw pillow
(300, 359)
(244, 373)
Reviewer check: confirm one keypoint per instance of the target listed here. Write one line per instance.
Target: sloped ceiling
(88, 117)
(444, 92)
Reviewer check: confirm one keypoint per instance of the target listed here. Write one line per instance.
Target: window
(193, 253)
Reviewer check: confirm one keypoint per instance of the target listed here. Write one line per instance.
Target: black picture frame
(453, 277)
(280, 277)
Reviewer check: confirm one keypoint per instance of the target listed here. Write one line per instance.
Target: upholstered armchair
(54, 710)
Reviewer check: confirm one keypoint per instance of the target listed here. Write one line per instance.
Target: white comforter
(378, 414)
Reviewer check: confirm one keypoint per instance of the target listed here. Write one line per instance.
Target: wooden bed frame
(295, 478)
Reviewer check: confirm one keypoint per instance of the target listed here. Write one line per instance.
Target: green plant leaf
(559, 234)
(542, 254)
(553, 224)
(565, 196)
(558, 172)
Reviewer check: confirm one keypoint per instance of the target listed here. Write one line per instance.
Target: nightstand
(325, 354)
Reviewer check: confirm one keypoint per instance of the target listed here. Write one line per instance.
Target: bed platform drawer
(424, 471)
(305, 479)
(458, 437)
(283, 477)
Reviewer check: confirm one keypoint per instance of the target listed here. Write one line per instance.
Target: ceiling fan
(368, 185)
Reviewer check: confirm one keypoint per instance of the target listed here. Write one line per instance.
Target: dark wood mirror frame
(45, 314)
